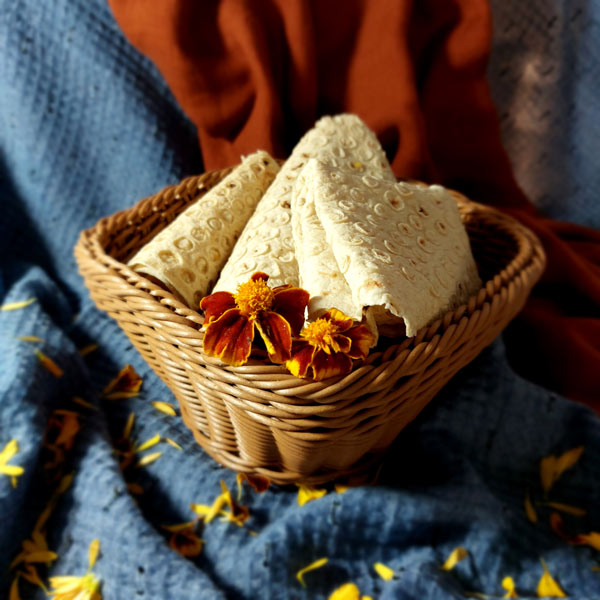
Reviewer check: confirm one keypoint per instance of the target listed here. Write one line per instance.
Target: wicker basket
(260, 419)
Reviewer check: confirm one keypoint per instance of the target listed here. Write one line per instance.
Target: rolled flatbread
(187, 255)
(267, 242)
(402, 248)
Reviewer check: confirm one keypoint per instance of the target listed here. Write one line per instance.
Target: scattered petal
(128, 426)
(314, 565)
(14, 589)
(67, 587)
(30, 338)
(165, 407)
(551, 467)
(307, 494)
(17, 305)
(126, 384)
(84, 403)
(49, 364)
(383, 571)
(529, 510)
(454, 558)
(30, 574)
(148, 443)
(348, 591)
(186, 541)
(93, 551)
(588, 539)
(7, 453)
(88, 349)
(508, 584)
(341, 489)
(566, 508)
(548, 586)
(558, 526)
(135, 488)
(258, 483)
(148, 459)
(42, 556)
(173, 443)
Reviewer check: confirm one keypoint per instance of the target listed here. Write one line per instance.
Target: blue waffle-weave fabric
(87, 128)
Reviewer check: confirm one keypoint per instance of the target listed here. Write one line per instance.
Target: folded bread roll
(401, 248)
(267, 243)
(188, 254)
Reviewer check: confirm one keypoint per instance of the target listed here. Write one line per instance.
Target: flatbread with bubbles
(267, 242)
(401, 248)
(189, 253)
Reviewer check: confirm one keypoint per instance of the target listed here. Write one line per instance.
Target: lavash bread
(187, 256)
(401, 247)
(267, 242)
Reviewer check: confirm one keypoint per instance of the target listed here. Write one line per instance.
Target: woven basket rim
(93, 242)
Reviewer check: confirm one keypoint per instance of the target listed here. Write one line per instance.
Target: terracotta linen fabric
(258, 73)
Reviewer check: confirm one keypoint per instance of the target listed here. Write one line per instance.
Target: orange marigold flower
(328, 346)
(277, 313)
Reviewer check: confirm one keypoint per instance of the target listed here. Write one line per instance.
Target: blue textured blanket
(88, 127)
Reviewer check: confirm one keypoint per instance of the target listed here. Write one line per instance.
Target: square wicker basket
(258, 418)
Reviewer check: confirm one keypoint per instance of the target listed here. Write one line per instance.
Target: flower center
(254, 296)
(319, 333)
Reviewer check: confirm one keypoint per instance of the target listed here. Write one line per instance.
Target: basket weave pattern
(258, 418)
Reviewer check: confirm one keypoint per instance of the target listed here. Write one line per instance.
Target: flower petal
(277, 335)
(259, 275)
(339, 319)
(291, 303)
(330, 365)
(216, 304)
(362, 340)
(302, 356)
(230, 338)
(454, 558)
(341, 343)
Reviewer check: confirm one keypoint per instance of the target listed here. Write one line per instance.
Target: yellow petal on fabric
(14, 589)
(348, 591)
(12, 470)
(39, 539)
(148, 443)
(314, 565)
(551, 467)
(341, 489)
(84, 403)
(30, 338)
(67, 587)
(128, 426)
(529, 510)
(383, 571)
(172, 443)
(454, 558)
(14, 481)
(17, 305)
(566, 508)
(65, 483)
(548, 586)
(88, 349)
(148, 459)
(202, 510)
(508, 583)
(93, 551)
(9, 450)
(49, 364)
(307, 494)
(165, 407)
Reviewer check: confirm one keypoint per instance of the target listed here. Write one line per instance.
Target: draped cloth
(88, 126)
(258, 74)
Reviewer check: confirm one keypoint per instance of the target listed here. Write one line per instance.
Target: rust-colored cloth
(258, 73)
